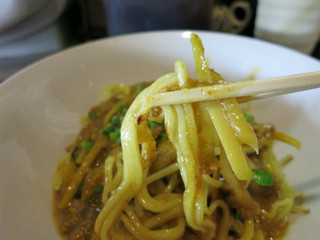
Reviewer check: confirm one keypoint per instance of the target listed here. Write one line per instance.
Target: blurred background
(33, 29)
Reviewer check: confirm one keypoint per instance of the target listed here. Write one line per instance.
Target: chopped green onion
(98, 188)
(140, 88)
(108, 130)
(80, 186)
(119, 140)
(152, 124)
(248, 117)
(123, 108)
(164, 135)
(93, 115)
(263, 177)
(116, 119)
(114, 135)
(86, 145)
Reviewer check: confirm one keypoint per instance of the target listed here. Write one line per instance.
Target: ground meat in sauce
(78, 219)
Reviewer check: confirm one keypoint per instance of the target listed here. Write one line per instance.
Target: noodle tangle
(190, 178)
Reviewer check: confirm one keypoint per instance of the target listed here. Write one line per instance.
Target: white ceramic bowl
(41, 106)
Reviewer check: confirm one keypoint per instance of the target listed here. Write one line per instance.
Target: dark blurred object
(316, 51)
(127, 16)
(93, 24)
(234, 16)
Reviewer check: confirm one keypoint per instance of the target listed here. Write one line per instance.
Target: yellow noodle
(162, 173)
(163, 217)
(229, 141)
(226, 218)
(72, 188)
(248, 230)
(109, 163)
(162, 203)
(211, 181)
(173, 183)
(287, 139)
(82, 154)
(298, 209)
(258, 235)
(187, 161)
(118, 232)
(242, 129)
(136, 228)
(286, 160)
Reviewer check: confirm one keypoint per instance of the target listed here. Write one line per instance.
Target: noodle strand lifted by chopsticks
(180, 119)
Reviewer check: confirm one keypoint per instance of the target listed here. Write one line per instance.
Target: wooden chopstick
(244, 90)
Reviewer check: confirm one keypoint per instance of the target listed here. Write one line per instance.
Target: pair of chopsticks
(244, 90)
